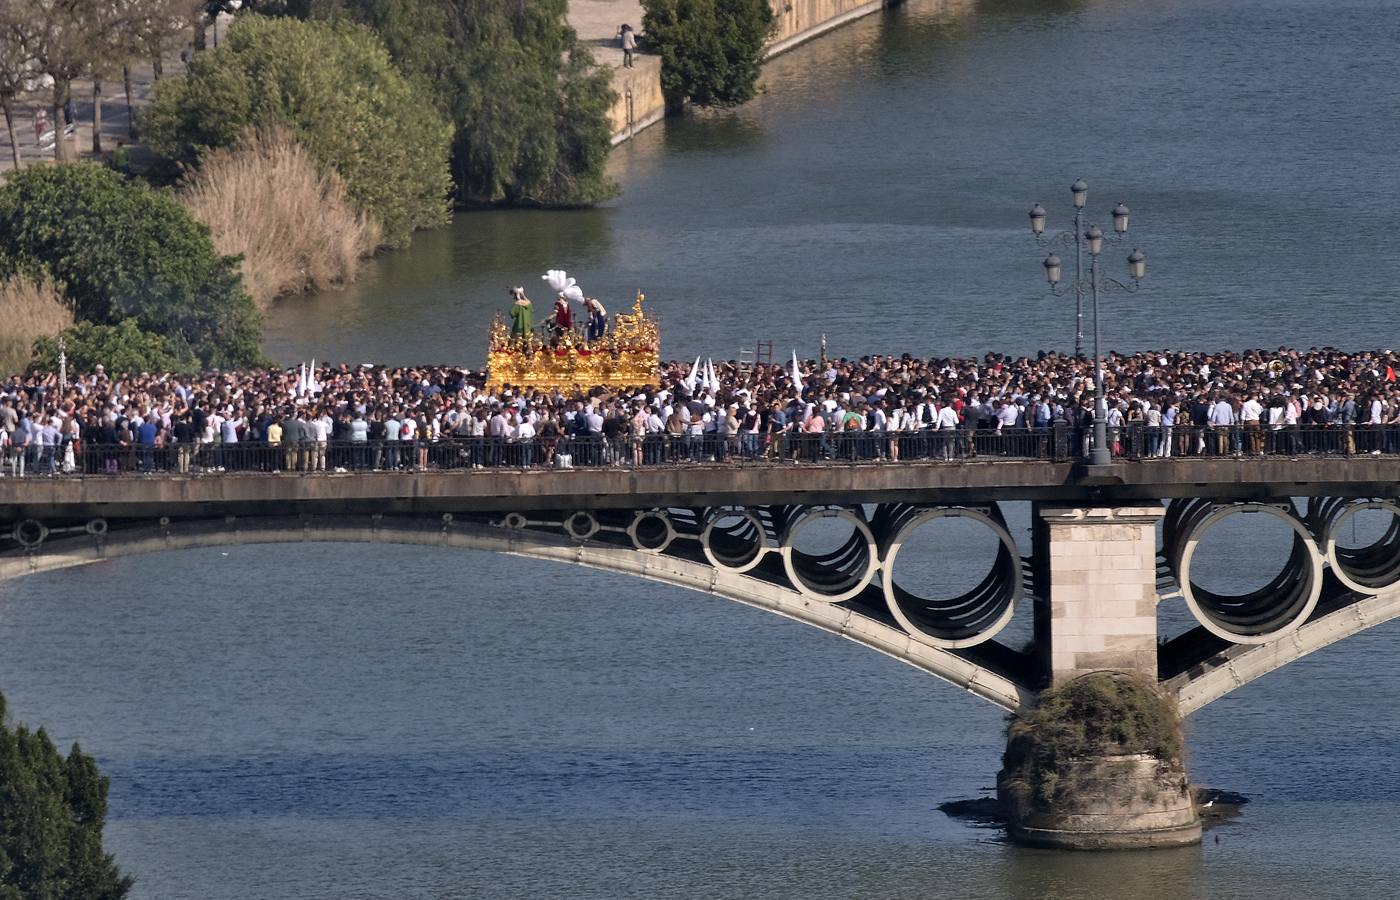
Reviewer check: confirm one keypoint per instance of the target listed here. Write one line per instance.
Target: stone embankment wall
(640, 102)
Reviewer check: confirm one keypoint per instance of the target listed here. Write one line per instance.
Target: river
(342, 722)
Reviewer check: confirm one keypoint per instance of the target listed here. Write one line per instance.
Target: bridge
(1108, 545)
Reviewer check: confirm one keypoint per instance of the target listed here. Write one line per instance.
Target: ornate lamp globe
(1137, 265)
(1095, 238)
(1120, 218)
(1038, 217)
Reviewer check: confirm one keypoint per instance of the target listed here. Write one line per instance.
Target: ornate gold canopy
(628, 356)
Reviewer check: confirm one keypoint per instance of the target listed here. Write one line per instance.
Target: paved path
(597, 22)
(115, 118)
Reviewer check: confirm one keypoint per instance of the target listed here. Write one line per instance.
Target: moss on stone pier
(1100, 763)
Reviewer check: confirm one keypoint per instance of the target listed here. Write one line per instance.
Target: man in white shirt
(1251, 412)
(524, 436)
(947, 429)
(316, 436)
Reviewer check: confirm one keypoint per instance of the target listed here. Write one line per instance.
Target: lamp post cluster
(1090, 240)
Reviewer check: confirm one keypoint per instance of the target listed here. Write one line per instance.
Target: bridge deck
(700, 485)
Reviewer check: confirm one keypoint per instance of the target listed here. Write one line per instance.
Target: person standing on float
(597, 319)
(563, 316)
(522, 319)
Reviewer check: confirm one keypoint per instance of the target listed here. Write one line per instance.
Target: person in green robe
(522, 317)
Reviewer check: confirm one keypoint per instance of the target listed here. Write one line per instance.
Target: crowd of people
(1159, 404)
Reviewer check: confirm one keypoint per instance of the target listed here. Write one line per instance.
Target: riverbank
(640, 101)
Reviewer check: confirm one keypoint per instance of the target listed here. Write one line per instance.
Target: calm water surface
(343, 722)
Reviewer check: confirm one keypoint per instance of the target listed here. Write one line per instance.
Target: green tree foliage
(334, 86)
(711, 50)
(528, 104)
(52, 811)
(120, 348)
(121, 250)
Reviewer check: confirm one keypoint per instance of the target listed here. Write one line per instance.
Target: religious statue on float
(560, 354)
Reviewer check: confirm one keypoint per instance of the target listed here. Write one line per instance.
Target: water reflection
(448, 285)
(1141, 875)
(719, 130)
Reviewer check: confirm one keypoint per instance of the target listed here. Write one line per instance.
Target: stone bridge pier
(1097, 574)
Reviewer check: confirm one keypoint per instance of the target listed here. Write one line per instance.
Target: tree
(17, 70)
(711, 50)
(528, 104)
(121, 250)
(119, 348)
(334, 86)
(52, 812)
(147, 32)
(65, 39)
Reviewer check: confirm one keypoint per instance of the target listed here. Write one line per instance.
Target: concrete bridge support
(1097, 619)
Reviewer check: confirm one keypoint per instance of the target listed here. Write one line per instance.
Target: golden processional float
(626, 356)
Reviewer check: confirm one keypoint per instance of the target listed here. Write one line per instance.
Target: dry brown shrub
(30, 308)
(295, 227)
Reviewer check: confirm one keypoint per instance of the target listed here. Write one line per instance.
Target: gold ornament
(628, 356)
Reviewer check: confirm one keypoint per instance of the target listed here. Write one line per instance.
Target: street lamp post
(1091, 240)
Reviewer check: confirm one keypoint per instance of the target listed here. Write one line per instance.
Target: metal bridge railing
(1138, 443)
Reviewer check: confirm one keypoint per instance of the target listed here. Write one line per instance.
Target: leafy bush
(120, 250)
(528, 104)
(334, 86)
(1097, 714)
(52, 811)
(31, 307)
(294, 228)
(119, 348)
(711, 50)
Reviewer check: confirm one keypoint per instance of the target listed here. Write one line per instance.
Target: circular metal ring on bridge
(582, 525)
(447, 518)
(1366, 570)
(164, 521)
(30, 532)
(514, 521)
(970, 618)
(733, 539)
(651, 531)
(1263, 615)
(836, 576)
(96, 527)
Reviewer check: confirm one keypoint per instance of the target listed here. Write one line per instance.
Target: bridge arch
(82, 545)
(1240, 664)
(1260, 616)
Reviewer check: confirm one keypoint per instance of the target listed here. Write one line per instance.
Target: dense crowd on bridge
(1160, 404)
